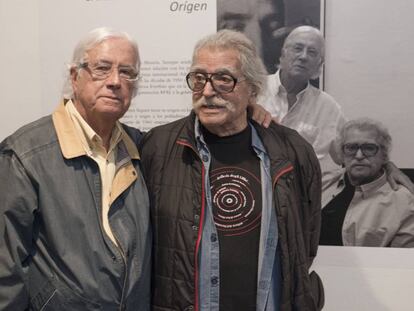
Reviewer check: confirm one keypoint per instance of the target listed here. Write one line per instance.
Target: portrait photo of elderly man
(294, 102)
(359, 208)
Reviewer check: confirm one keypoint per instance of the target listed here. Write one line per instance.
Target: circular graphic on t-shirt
(236, 198)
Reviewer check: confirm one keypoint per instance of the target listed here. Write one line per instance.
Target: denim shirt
(269, 272)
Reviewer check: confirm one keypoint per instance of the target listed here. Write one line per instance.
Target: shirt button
(214, 280)
(205, 158)
(196, 219)
(213, 237)
(195, 228)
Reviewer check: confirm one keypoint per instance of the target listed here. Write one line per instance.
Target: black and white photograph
(267, 22)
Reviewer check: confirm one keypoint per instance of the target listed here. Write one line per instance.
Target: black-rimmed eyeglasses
(103, 70)
(368, 150)
(222, 83)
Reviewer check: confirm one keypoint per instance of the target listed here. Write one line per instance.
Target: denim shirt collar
(256, 141)
(200, 142)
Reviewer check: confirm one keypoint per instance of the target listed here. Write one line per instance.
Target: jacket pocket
(46, 293)
(317, 290)
(55, 296)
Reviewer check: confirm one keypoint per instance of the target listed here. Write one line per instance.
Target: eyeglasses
(222, 83)
(299, 48)
(368, 150)
(102, 70)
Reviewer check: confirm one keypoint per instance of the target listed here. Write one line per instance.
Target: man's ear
(318, 72)
(73, 74)
(252, 97)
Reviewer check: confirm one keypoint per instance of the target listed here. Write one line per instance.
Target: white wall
(20, 86)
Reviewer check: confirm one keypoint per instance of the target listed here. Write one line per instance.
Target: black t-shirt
(333, 215)
(237, 209)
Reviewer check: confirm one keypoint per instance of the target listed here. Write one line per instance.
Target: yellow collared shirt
(95, 149)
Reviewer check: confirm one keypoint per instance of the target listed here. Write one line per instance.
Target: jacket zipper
(125, 272)
(200, 231)
(122, 253)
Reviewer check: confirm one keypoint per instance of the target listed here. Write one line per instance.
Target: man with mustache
(74, 213)
(359, 207)
(235, 207)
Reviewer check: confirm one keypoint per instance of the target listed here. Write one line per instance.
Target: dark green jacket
(174, 174)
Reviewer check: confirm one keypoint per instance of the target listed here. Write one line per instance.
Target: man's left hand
(259, 114)
(396, 177)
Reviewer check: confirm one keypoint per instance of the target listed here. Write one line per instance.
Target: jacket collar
(275, 142)
(187, 134)
(69, 141)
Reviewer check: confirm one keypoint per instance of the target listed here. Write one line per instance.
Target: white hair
(93, 38)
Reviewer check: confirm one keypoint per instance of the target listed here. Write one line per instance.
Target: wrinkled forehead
(113, 49)
(216, 58)
(306, 38)
(356, 135)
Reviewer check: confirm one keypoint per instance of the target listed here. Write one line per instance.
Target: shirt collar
(199, 136)
(282, 90)
(70, 139)
(373, 186)
(256, 141)
(89, 138)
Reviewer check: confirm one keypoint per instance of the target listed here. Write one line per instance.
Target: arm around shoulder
(405, 235)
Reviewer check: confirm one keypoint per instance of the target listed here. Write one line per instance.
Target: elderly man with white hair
(74, 213)
(359, 207)
(294, 102)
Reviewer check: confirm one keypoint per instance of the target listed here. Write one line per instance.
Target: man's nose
(208, 90)
(114, 79)
(303, 54)
(359, 154)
